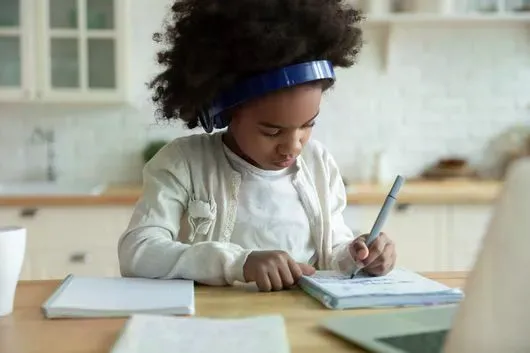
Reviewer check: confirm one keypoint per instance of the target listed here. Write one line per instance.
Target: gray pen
(383, 214)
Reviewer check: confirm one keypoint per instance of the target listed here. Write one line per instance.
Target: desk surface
(27, 331)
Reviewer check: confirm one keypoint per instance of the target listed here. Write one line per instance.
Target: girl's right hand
(274, 270)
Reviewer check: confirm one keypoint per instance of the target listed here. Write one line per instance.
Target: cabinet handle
(403, 207)
(78, 258)
(28, 212)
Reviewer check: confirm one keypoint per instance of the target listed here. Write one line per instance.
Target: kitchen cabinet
(417, 230)
(468, 225)
(83, 239)
(63, 240)
(443, 237)
(62, 50)
(8, 216)
(58, 263)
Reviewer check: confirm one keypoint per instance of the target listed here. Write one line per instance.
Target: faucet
(47, 137)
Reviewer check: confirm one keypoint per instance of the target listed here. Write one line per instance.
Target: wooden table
(26, 330)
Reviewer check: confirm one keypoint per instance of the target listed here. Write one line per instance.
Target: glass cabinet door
(10, 44)
(99, 14)
(82, 45)
(65, 63)
(101, 44)
(101, 68)
(63, 14)
(64, 44)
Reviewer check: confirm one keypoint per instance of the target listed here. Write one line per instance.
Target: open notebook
(165, 334)
(400, 287)
(80, 296)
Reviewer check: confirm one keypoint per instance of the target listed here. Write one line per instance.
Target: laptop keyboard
(427, 342)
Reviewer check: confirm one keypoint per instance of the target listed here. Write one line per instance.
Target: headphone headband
(289, 76)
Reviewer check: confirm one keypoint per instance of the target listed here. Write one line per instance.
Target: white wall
(443, 89)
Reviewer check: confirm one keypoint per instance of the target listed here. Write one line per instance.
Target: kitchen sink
(49, 189)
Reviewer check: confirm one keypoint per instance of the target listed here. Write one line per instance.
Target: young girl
(258, 201)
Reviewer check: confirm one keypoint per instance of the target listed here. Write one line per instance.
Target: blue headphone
(211, 116)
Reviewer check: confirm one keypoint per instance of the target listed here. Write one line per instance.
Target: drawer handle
(78, 258)
(402, 207)
(28, 212)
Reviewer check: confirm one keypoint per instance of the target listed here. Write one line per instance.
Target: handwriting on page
(363, 282)
(380, 281)
(396, 282)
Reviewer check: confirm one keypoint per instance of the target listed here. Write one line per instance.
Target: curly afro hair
(212, 44)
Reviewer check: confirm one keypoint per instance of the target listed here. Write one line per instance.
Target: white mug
(12, 251)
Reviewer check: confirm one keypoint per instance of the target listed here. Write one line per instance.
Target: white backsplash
(435, 90)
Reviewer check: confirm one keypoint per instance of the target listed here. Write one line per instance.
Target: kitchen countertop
(458, 191)
(413, 192)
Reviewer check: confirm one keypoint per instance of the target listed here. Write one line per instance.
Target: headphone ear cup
(220, 121)
(206, 121)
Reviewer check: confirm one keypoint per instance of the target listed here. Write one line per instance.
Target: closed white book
(163, 334)
(82, 296)
(400, 287)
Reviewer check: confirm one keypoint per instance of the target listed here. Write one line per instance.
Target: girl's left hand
(377, 260)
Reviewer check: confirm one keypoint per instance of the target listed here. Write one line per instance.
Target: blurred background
(440, 94)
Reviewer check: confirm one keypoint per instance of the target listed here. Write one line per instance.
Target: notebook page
(167, 334)
(114, 294)
(397, 282)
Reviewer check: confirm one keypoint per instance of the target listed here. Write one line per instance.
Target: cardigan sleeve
(149, 246)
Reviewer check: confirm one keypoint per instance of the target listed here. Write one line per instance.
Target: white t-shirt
(270, 215)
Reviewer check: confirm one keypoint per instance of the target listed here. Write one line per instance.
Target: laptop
(494, 315)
